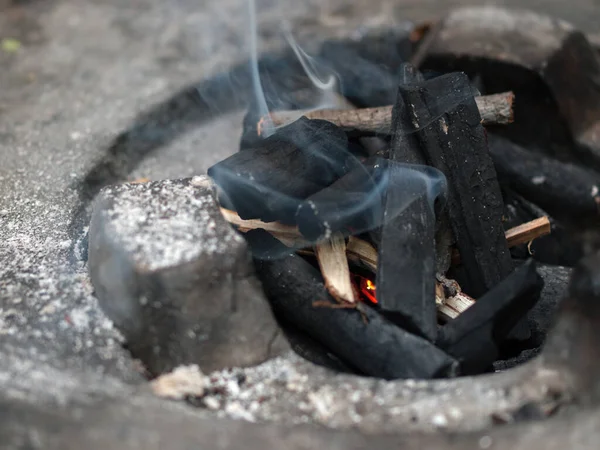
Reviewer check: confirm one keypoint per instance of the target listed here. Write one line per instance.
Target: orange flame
(366, 288)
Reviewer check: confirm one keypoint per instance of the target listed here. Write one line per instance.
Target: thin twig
(494, 109)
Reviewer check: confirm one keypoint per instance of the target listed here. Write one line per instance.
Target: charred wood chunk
(448, 127)
(406, 262)
(566, 191)
(269, 181)
(375, 347)
(474, 337)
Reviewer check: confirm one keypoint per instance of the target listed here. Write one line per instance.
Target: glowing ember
(366, 288)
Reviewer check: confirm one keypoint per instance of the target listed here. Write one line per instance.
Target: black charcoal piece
(543, 315)
(365, 83)
(521, 358)
(269, 181)
(447, 124)
(377, 348)
(351, 205)
(406, 252)
(566, 191)
(176, 280)
(474, 337)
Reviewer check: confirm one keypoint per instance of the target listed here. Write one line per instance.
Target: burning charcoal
(377, 348)
(475, 336)
(268, 182)
(176, 279)
(406, 263)
(551, 67)
(564, 190)
(454, 142)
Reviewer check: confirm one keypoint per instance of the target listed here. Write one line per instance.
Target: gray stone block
(176, 279)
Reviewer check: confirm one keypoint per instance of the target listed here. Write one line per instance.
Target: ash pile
(398, 235)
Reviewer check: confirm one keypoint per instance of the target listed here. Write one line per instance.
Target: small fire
(366, 288)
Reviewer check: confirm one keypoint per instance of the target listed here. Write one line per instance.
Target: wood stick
(494, 109)
(331, 255)
(521, 234)
(527, 232)
(361, 251)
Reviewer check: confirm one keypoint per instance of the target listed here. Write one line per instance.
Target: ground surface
(75, 75)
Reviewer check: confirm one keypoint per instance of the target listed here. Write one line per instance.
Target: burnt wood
(474, 337)
(375, 347)
(270, 180)
(454, 142)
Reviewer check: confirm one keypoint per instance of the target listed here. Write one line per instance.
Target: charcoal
(566, 191)
(365, 83)
(176, 280)
(474, 337)
(375, 346)
(311, 350)
(521, 358)
(542, 316)
(453, 141)
(284, 85)
(549, 65)
(387, 48)
(354, 203)
(269, 181)
(374, 145)
(406, 252)
(350, 205)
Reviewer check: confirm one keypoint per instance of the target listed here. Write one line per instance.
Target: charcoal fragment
(269, 181)
(446, 121)
(375, 347)
(474, 337)
(406, 264)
